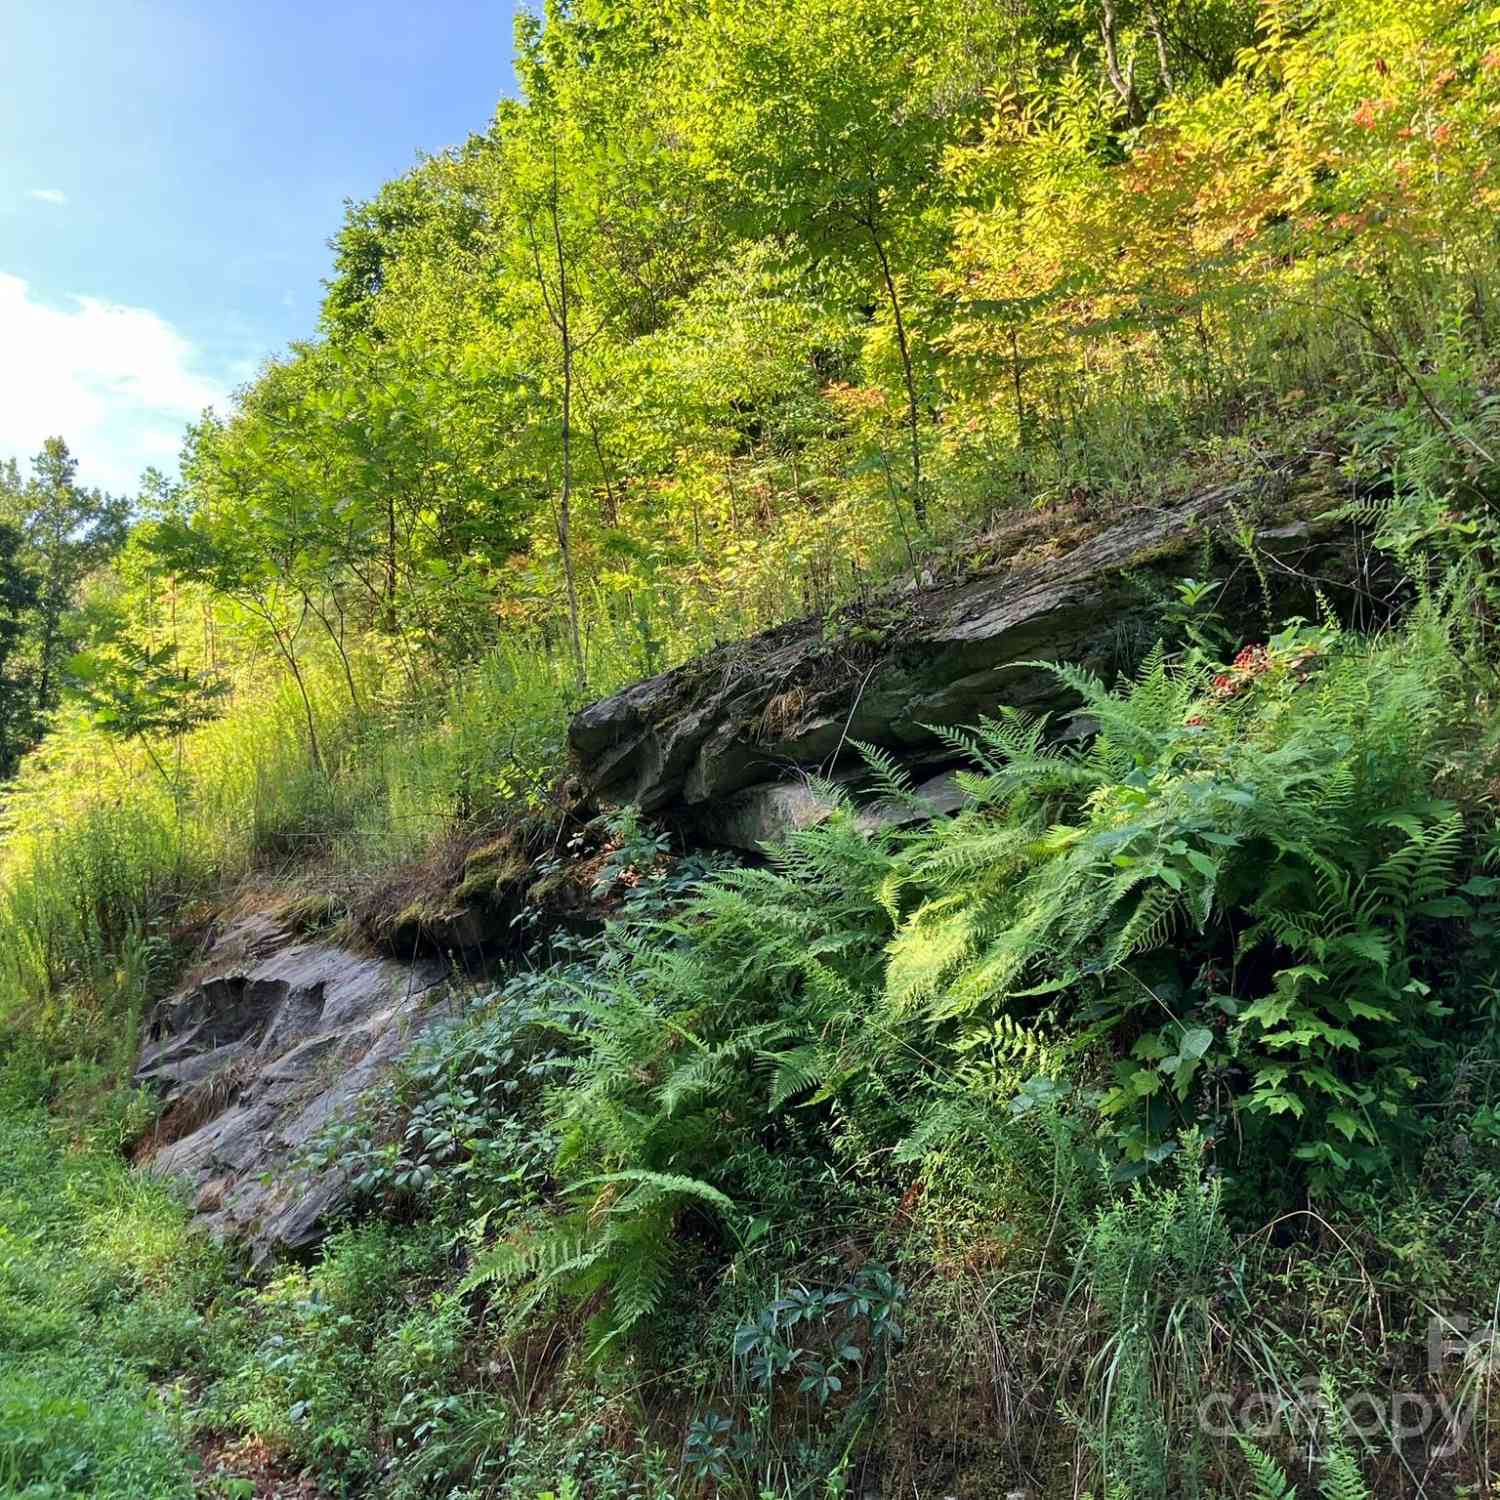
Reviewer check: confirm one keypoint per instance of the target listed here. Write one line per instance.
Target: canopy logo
(1461, 1352)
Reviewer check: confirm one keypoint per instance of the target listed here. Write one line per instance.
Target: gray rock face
(252, 1060)
(722, 743)
(762, 815)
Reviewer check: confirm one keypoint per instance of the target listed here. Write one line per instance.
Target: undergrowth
(103, 1294)
(938, 1152)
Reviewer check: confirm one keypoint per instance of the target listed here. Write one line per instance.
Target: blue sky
(170, 172)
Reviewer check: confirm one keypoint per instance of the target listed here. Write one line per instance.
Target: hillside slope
(755, 433)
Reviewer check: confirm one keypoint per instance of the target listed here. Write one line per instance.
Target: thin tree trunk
(1015, 370)
(1154, 21)
(315, 750)
(612, 506)
(734, 505)
(918, 499)
(289, 656)
(390, 562)
(559, 309)
(1123, 83)
(338, 645)
(52, 608)
(44, 683)
(564, 509)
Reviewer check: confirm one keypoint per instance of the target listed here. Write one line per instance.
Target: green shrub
(67, 1432)
(1153, 1263)
(688, 1046)
(88, 1255)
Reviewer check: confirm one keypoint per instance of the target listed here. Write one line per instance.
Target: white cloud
(118, 383)
(49, 195)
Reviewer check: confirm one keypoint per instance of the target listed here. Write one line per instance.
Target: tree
(552, 221)
(429, 208)
(141, 693)
(542, 221)
(67, 532)
(18, 596)
(243, 545)
(818, 121)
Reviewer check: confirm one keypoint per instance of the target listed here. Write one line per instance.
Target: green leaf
(1196, 1042)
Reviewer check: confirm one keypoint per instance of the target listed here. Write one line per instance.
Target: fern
(650, 1189)
(1294, 822)
(1271, 1482)
(795, 1072)
(1341, 1478)
(688, 1043)
(622, 1241)
(891, 781)
(1233, 893)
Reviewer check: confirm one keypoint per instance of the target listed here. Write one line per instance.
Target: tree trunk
(611, 504)
(1162, 59)
(918, 499)
(314, 749)
(337, 637)
(565, 502)
(1015, 370)
(1123, 83)
(52, 608)
(390, 562)
(285, 644)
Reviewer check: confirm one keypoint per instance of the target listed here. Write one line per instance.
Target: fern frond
(651, 1187)
(1148, 926)
(641, 1258)
(1271, 1482)
(795, 1072)
(1341, 1478)
(974, 845)
(892, 781)
(546, 1256)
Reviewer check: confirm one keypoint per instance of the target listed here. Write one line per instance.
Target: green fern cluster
(620, 1244)
(1231, 889)
(1151, 1264)
(1228, 910)
(1340, 1480)
(704, 1045)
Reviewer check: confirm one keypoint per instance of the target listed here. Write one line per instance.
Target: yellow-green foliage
(846, 278)
(1041, 285)
(99, 849)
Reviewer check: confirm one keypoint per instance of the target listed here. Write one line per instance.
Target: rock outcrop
(276, 1036)
(273, 1040)
(721, 743)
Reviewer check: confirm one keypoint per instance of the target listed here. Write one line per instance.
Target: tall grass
(97, 1295)
(1311, 367)
(99, 853)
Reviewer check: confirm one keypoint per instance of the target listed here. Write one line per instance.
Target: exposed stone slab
(723, 742)
(275, 1040)
(762, 815)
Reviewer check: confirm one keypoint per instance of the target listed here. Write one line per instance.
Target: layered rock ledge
(721, 743)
